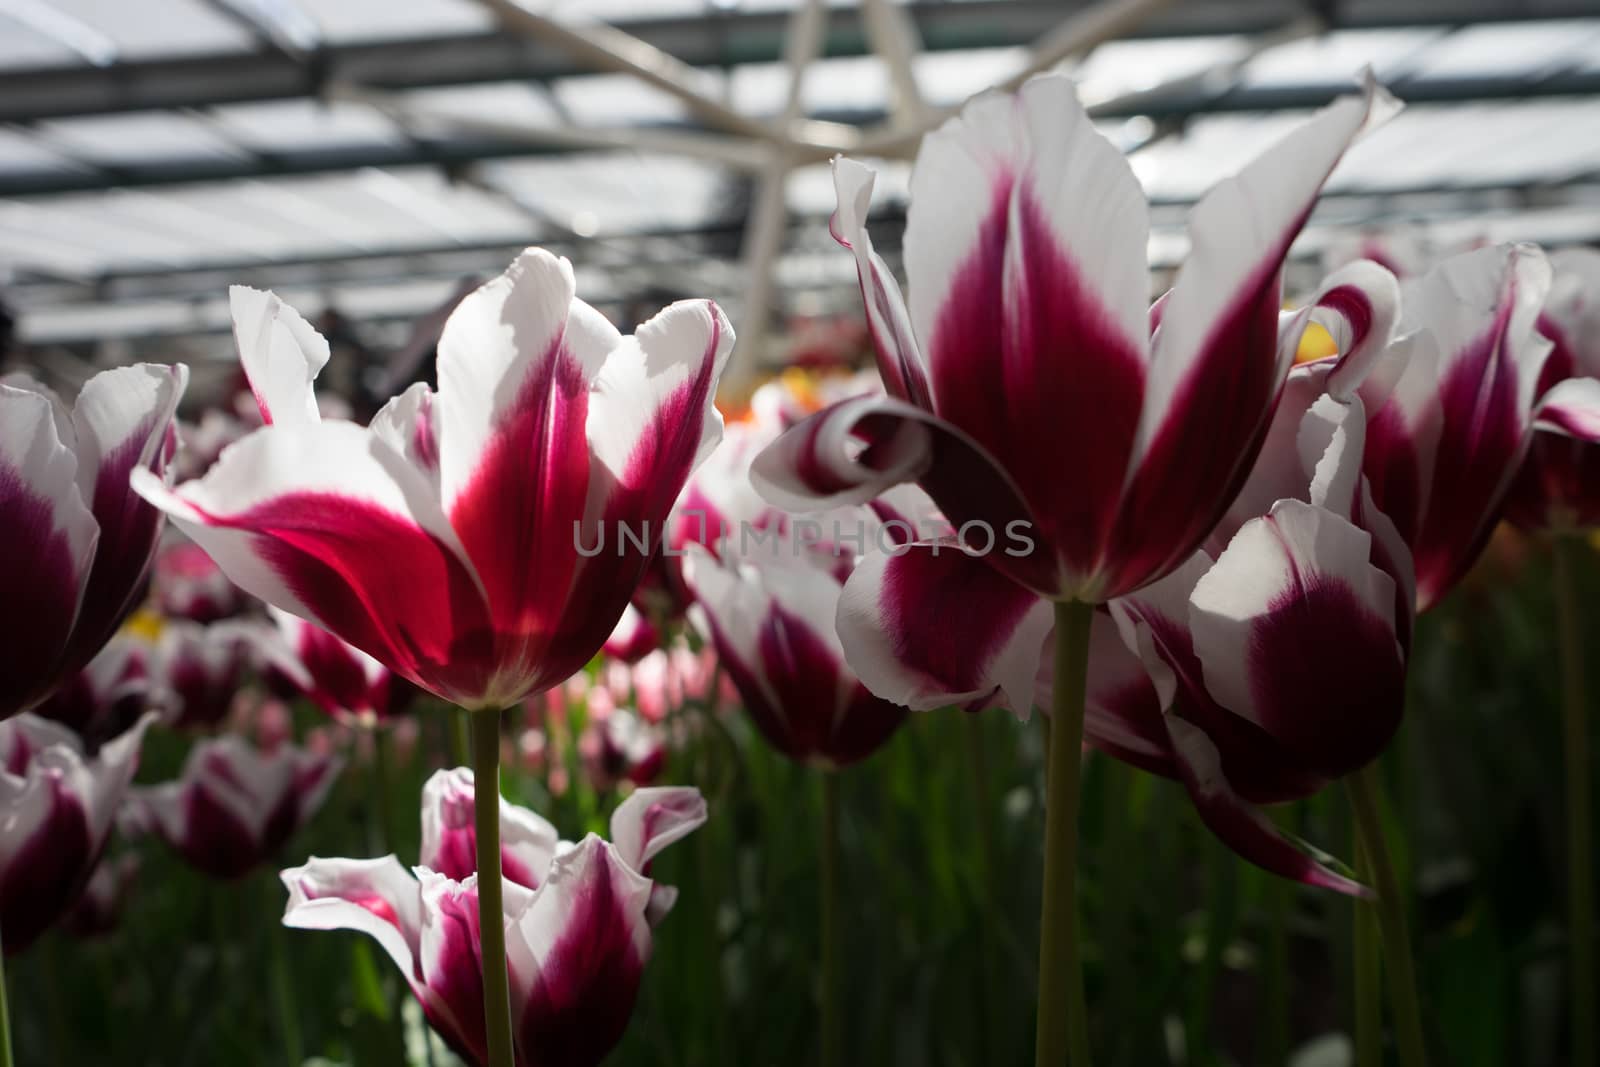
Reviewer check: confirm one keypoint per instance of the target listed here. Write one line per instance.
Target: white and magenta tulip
(770, 613)
(1447, 433)
(57, 807)
(578, 930)
(340, 679)
(1266, 666)
(469, 539)
(234, 807)
(634, 638)
(1558, 485)
(1031, 385)
(200, 670)
(78, 541)
(108, 696)
(188, 584)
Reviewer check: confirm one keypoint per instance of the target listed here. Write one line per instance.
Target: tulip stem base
(1062, 1027)
(1580, 839)
(1366, 791)
(491, 910)
(829, 889)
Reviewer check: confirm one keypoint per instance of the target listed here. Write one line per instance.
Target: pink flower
(200, 670)
(470, 540)
(1558, 484)
(188, 584)
(339, 678)
(578, 930)
(99, 909)
(1032, 390)
(234, 807)
(1453, 406)
(771, 615)
(78, 542)
(58, 807)
(622, 746)
(634, 637)
(108, 696)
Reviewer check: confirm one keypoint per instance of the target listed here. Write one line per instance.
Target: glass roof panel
(140, 137)
(154, 29)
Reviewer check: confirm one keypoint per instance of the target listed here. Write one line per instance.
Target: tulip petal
(1295, 629)
(1028, 289)
(516, 361)
(1572, 409)
(931, 625)
(281, 353)
(652, 420)
(376, 897)
(1469, 415)
(450, 963)
(1219, 363)
(576, 955)
(854, 451)
(449, 839)
(408, 424)
(318, 519)
(651, 819)
(900, 362)
(49, 544)
(1236, 821)
(124, 422)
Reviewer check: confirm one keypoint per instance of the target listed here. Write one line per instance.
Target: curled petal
(651, 819)
(376, 897)
(281, 352)
(854, 451)
(900, 362)
(1572, 408)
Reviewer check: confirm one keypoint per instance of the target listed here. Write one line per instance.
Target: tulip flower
(1046, 408)
(107, 697)
(479, 541)
(621, 746)
(201, 669)
(1446, 436)
(79, 542)
(340, 679)
(1557, 489)
(99, 908)
(444, 539)
(235, 807)
(634, 637)
(1558, 484)
(771, 614)
(1028, 343)
(58, 806)
(578, 931)
(188, 584)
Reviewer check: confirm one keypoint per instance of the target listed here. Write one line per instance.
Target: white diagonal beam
(607, 48)
(734, 152)
(894, 37)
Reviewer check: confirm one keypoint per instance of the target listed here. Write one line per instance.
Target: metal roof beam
(743, 37)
